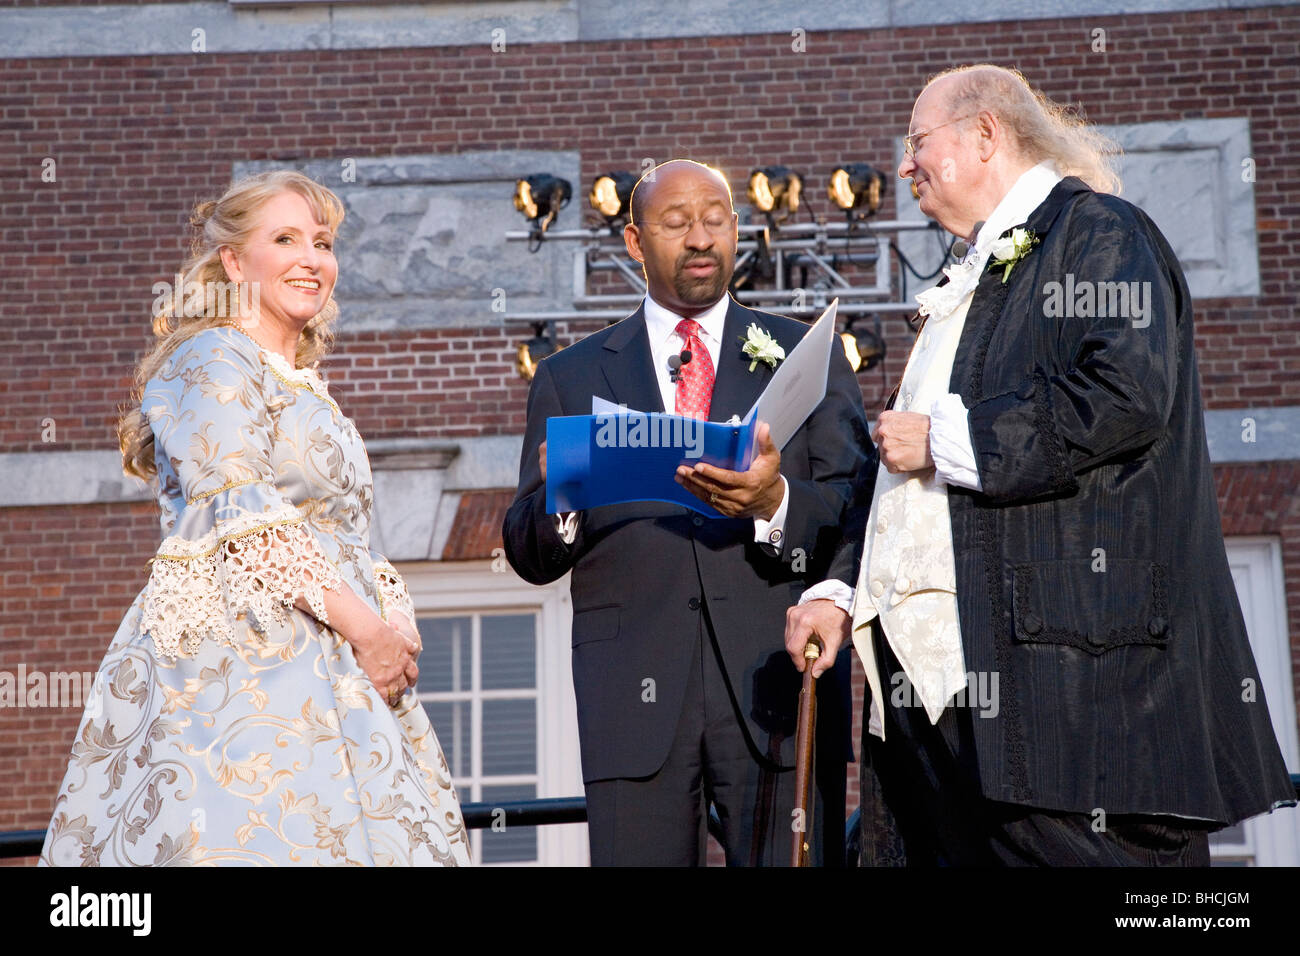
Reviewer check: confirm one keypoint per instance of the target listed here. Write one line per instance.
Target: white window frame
(478, 587)
(1269, 839)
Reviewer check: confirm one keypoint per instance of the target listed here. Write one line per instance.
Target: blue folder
(611, 458)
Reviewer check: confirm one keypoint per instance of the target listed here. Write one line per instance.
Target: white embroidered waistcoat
(907, 576)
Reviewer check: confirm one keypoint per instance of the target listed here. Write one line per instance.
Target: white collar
(661, 323)
(1026, 195)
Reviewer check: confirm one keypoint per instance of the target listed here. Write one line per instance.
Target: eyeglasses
(674, 227)
(912, 142)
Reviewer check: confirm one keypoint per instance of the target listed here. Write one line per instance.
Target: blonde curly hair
(226, 222)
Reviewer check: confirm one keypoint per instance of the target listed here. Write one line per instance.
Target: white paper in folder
(799, 383)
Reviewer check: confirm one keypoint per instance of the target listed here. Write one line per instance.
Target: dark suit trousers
(922, 806)
(661, 820)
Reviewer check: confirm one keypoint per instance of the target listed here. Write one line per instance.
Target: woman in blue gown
(256, 706)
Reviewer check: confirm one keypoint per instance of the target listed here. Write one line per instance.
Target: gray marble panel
(1188, 177)
(1253, 434)
(274, 25)
(423, 244)
(168, 28)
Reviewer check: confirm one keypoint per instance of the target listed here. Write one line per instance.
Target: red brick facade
(138, 140)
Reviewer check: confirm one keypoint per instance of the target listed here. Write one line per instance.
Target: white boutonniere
(761, 347)
(1008, 250)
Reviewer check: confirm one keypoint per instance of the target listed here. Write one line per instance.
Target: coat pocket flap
(595, 624)
(1091, 605)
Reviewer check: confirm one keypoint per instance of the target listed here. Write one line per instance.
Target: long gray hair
(1042, 129)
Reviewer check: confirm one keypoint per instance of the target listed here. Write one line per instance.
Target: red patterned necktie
(695, 386)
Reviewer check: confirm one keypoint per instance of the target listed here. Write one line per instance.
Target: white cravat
(907, 575)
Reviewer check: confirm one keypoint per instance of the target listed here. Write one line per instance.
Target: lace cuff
(200, 588)
(393, 596)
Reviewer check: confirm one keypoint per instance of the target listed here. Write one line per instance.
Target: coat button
(1032, 623)
(1157, 626)
(877, 588)
(693, 604)
(902, 585)
(882, 525)
(697, 521)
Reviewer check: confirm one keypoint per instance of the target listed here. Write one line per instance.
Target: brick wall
(138, 140)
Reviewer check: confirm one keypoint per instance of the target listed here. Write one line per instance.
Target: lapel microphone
(962, 246)
(675, 363)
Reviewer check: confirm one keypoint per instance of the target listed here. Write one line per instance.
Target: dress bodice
(259, 473)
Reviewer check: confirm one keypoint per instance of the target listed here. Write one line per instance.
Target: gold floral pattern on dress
(230, 727)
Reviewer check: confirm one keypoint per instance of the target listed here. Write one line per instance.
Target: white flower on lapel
(1006, 251)
(761, 347)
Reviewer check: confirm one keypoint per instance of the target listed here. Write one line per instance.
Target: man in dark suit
(1081, 533)
(685, 694)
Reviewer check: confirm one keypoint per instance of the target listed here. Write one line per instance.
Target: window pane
(514, 844)
(509, 736)
(446, 663)
(1234, 836)
(452, 723)
(509, 651)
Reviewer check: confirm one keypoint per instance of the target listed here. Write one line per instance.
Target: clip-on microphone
(962, 246)
(675, 363)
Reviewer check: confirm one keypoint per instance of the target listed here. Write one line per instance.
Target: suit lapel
(628, 366)
(735, 387)
(985, 309)
(991, 295)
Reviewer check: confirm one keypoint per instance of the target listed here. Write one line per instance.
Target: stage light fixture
(530, 353)
(611, 196)
(775, 191)
(864, 348)
(857, 188)
(540, 197)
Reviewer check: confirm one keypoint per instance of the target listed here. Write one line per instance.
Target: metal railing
(18, 844)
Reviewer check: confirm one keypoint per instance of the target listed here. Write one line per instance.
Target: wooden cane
(801, 824)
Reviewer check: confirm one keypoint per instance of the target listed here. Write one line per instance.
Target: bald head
(962, 156)
(644, 190)
(683, 232)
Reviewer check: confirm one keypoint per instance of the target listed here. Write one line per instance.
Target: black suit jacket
(1091, 571)
(641, 570)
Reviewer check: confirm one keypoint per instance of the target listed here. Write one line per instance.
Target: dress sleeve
(238, 548)
(393, 596)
